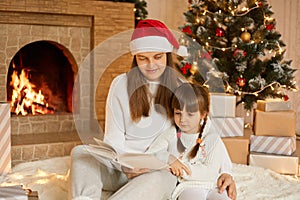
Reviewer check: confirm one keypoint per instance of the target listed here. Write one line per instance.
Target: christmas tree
(236, 41)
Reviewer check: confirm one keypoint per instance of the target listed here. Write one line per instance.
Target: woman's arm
(114, 116)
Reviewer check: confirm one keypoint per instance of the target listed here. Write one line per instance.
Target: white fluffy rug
(50, 179)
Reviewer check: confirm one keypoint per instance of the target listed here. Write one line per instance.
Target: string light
(239, 13)
(271, 85)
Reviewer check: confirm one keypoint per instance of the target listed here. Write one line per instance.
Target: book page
(129, 160)
(103, 152)
(144, 160)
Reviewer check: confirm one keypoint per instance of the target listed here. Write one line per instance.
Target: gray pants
(89, 178)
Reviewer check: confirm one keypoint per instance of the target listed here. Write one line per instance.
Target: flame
(25, 100)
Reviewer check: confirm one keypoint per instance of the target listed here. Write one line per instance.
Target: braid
(180, 147)
(194, 151)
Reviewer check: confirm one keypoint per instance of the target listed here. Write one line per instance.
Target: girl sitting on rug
(197, 153)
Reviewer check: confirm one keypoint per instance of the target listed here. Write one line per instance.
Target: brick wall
(102, 19)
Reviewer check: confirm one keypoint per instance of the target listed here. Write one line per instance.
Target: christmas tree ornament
(239, 53)
(241, 81)
(201, 20)
(194, 67)
(286, 98)
(240, 34)
(246, 36)
(185, 68)
(270, 27)
(187, 30)
(219, 32)
(260, 4)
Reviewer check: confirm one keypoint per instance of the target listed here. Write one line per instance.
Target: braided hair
(194, 97)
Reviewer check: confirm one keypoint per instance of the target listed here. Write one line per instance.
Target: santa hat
(153, 36)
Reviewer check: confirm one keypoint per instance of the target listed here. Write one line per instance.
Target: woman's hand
(178, 168)
(131, 173)
(225, 181)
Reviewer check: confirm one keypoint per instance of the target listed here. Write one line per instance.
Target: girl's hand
(178, 168)
(131, 173)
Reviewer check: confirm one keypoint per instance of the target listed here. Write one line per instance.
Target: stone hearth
(78, 26)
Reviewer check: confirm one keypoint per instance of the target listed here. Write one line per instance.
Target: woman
(137, 113)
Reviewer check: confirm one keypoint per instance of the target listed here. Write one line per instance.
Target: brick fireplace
(76, 27)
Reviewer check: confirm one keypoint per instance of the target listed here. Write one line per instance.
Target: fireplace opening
(40, 79)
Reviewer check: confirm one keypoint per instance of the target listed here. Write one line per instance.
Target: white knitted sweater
(120, 131)
(211, 160)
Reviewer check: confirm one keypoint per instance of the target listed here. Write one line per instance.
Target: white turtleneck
(211, 160)
(120, 131)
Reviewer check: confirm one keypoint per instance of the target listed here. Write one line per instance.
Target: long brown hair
(195, 98)
(138, 90)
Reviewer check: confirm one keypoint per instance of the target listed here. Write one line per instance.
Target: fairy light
(271, 85)
(267, 19)
(244, 9)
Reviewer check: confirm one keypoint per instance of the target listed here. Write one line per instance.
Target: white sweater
(211, 160)
(120, 131)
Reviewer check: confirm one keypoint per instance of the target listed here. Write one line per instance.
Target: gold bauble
(194, 68)
(246, 36)
(202, 20)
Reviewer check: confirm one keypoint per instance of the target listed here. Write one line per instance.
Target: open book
(129, 160)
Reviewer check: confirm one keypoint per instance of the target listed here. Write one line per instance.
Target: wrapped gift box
(229, 126)
(33, 195)
(222, 105)
(5, 141)
(12, 193)
(277, 163)
(269, 105)
(281, 123)
(237, 148)
(274, 145)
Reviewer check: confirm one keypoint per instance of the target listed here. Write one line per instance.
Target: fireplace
(40, 79)
(46, 42)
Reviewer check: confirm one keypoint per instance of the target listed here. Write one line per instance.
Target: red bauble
(219, 32)
(241, 81)
(187, 30)
(270, 27)
(285, 97)
(239, 53)
(185, 68)
(260, 4)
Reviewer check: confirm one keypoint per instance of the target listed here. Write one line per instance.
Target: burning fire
(25, 100)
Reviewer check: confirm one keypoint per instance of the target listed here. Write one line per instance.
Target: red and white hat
(153, 36)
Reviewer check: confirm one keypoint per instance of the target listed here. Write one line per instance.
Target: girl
(196, 151)
(137, 112)
(200, 148)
